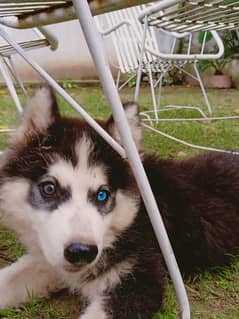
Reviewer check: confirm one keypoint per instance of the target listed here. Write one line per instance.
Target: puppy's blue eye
(102, 196)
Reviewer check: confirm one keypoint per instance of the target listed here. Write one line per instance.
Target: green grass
(35, 309)
(213, 294)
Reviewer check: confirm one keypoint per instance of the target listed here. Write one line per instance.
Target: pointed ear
(41, 111)
(132, 115)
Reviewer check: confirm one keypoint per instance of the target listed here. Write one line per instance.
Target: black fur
(198, 199)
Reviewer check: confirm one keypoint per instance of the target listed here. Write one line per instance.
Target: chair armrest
(200, 56)
(112, 29)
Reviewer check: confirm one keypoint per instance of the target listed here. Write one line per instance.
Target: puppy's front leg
(29, 275)
(139, 295)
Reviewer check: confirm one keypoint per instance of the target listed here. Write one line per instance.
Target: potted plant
(215, 76)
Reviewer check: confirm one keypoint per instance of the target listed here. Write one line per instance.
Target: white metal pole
(10, 85)
(141, 61)
(94, 42)
(151, 81)
(202, 87)
(17, 76)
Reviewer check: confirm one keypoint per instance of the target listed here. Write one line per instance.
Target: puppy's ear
(132, 115)
(41, 111)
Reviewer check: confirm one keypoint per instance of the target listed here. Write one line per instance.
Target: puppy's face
(64, 190)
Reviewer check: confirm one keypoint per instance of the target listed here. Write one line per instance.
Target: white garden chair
(139, 53)
(42, 38)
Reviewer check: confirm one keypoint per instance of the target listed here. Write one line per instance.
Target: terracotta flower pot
(217, 81)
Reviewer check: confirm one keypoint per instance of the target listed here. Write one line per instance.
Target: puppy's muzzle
(77, 253)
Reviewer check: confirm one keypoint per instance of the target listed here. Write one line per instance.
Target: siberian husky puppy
(74, 204)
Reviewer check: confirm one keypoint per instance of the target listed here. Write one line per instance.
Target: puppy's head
(63, 188)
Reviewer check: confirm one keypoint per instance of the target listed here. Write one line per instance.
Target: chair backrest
(127, 38)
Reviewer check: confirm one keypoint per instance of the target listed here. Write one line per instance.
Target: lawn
(213, 294)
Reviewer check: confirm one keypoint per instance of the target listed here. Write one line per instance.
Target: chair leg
(126, 82)
(137, 86)
(151, 82)
(141, 61)
(160, 91)
(10, 85)
(118, 79)
(17, 76)
(202, 88)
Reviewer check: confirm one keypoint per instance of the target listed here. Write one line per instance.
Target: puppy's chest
(104, 283)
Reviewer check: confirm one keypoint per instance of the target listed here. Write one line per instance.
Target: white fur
(16, 213)
(37, 115)
(95, 310)
(122, 216)
(38, 111)
(108, 280)
(29, 276)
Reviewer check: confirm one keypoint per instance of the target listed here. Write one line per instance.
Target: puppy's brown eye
(48, 188)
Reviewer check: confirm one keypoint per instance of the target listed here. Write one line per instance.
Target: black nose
(79, 253)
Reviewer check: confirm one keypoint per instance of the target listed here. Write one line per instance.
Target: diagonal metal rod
(95, 46)
(10, 86)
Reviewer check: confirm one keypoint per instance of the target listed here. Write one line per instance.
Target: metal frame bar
(15, 74)
(98, 54)
(140, 67)
(202, 87)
